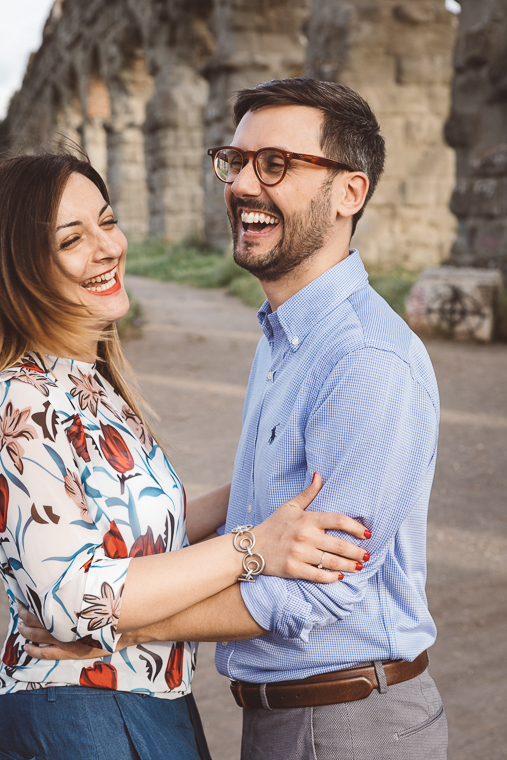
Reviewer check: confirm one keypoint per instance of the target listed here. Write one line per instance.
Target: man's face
(299, 210)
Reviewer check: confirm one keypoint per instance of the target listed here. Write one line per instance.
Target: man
(339, 386)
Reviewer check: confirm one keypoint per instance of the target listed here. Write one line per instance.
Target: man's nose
(247, 183)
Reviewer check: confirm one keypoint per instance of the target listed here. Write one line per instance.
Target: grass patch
(130, 326)
(190, 264)
(393, 285)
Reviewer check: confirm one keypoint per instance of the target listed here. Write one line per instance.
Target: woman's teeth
(252, 218)
(102, 282)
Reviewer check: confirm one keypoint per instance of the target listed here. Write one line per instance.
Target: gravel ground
(193, 362)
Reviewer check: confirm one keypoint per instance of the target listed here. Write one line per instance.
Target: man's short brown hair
(350, 132)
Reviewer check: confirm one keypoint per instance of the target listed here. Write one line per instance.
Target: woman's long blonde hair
(34, 316)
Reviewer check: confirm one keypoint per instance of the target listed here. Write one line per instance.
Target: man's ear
(352, 188)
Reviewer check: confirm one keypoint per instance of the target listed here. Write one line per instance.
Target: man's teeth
(107, 281)
(251, 218)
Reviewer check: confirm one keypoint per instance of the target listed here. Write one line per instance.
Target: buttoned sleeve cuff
(275, 609)
(102, 599)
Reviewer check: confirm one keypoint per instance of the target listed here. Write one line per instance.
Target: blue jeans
(80, 723)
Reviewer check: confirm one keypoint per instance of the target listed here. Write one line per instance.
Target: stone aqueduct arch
(145, 85)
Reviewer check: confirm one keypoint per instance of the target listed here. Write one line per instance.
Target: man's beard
(304, 234)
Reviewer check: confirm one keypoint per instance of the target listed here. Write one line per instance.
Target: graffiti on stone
(453, 309)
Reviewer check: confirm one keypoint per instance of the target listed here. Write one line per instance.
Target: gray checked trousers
(405, 721)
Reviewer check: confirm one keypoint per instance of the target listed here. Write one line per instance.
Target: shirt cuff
(272, 606)
(101, 606)
(221, 530)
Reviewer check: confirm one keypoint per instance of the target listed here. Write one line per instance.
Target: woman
(93, 531)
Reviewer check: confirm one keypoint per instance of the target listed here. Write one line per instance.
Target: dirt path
(193, 362)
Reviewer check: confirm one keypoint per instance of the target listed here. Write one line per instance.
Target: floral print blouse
(83, 489)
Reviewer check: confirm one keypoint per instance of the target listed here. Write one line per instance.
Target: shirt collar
(297, 316)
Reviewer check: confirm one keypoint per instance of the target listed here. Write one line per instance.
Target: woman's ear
(352, 193)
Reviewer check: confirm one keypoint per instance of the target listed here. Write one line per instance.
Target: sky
(21, 25)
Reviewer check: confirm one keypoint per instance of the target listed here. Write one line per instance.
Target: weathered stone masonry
(477, 129)
(145, 86)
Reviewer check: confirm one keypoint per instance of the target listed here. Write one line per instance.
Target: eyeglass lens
(270, 165)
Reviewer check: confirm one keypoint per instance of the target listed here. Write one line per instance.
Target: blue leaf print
(56, 459)
(83, 524)
(114, 501)
(151, 491)
(91, 492)
(125, 658)
(103, 469)
(30, 520)
(15, 480)
(15, 564)
(134, 520)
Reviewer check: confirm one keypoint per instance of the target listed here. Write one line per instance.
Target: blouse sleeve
(52, 544)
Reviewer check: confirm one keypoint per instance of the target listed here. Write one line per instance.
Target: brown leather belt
(327, 688)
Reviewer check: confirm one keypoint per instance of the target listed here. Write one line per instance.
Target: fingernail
(359, 566)
(366, 557)
(314, 476)
(367, 533)
(341, 577)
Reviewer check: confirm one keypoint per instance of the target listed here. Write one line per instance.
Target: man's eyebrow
(78, 222)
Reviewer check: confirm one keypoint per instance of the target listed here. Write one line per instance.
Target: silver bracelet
(244, 541)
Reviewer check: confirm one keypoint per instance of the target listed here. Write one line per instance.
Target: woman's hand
(295, 545)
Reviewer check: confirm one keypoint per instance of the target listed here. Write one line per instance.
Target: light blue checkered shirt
(339, 385)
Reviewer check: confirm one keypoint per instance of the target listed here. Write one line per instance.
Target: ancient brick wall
(398, 56)
(145, 86)
(477, 129)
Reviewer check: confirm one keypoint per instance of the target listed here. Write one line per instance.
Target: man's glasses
(270, 164)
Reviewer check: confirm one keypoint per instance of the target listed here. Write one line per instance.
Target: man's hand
(51, 649)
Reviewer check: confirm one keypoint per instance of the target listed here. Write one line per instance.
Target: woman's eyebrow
(77, 223)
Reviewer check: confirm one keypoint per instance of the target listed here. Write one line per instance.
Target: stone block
(457, 302)
(421, 191)
(417, 13)
(425, 69)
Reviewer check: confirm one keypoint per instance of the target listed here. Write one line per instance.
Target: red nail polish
(341, 577)
(359, 566)
(367, 533)
(314, 476)
(366, 557)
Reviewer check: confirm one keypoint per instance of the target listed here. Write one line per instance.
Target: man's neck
(281, 290)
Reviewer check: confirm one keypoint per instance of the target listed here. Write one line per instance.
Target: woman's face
(91, 249)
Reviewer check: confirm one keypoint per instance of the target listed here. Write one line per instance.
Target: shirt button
(270, 375)
(249, 508)
(295, 341)
(224, 643)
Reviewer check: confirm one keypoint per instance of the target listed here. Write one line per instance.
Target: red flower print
(145, 545)
(76, 435)
(116, 452)
(174, 670)
(101, 675)
(113, 543)
(4, 502)
(12, 652)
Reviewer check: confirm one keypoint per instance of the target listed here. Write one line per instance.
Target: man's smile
(255, 223)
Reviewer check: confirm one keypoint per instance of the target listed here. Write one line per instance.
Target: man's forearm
(223, 617)
(206, 513)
